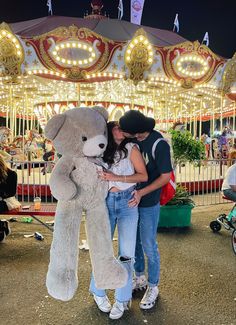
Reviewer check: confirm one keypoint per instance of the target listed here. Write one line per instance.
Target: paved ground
(198, 283)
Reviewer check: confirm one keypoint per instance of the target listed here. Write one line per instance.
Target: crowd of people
(220, 147)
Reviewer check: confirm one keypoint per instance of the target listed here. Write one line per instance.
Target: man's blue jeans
(126, 220)
(147, 243)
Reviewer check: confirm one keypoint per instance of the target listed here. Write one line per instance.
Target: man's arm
(156, 184)
(163, 161)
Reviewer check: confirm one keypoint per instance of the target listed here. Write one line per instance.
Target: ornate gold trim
(192, 48)
(138, 56)
(71, 33)
(11, 53)
(229, 76)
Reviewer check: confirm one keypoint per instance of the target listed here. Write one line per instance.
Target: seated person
(4, 230)
(8, 184)
(232, 155)
(229, 183)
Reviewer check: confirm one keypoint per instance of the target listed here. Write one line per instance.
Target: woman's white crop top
(123, 167)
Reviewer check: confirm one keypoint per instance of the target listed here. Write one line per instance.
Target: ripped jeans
(126, 220)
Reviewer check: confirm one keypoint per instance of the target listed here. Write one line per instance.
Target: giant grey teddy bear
(77, 134)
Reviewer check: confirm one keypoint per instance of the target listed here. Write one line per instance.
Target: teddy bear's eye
(84, 138)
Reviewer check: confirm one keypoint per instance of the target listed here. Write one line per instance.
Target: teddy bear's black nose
(101, 145)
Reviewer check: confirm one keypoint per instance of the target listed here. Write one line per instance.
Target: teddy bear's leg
(108, 272)
(62, 280)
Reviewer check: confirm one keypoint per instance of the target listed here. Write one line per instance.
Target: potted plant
(177, 212)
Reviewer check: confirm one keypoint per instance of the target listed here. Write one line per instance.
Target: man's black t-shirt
(155, 167)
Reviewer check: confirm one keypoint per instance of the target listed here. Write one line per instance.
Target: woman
(126, 167)
(8, 183)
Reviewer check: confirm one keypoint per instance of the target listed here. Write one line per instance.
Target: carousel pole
(7, 115)
(45, 110)
(175, 112)
(15, 121)
(27, 112)
(154, 108)
(19, 119)
(221, 113)
(194, 125)
(79, 95)
(33, 120)
(200, 120)
(190, 121)
(213, 117)
(234, 116)
(11, 113)
(132, 95)
(166, 115)
(166, 107)
(23, 128)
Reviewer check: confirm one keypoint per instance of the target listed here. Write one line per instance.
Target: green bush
(186, 148)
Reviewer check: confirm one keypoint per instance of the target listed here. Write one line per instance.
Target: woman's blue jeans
(147, 243)
(126, 220)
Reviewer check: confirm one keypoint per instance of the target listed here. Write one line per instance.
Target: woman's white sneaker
(139, 283)
(103, 303)
(118, 309)
(149, 298)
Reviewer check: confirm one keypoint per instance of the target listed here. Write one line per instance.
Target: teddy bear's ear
(102, 111)
(54, 125)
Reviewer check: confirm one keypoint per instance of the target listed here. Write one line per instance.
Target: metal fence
(33, 180)
(203, 181)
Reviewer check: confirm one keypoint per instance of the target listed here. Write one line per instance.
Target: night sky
(196, 17)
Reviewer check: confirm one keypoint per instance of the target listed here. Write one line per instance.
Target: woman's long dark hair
(113, 148)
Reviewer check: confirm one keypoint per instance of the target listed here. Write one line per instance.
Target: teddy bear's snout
(101, 145)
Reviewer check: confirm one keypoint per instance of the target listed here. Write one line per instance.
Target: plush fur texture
(77, 134)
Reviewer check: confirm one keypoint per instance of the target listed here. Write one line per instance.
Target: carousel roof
(117, 30)
(99, 60)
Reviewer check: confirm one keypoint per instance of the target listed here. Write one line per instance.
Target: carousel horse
(4, 136)
(48, 156)
(8, 150)
(31, 145)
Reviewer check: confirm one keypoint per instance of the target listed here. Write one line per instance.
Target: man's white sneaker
(103, 303)
(139, 283)
(118, 309)
(149, 298)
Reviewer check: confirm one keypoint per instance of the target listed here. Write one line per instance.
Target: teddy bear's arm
(61, 185)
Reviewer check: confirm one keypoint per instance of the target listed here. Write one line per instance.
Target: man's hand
(134, 202)
(233, 187)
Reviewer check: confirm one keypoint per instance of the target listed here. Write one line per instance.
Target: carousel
(51, 64)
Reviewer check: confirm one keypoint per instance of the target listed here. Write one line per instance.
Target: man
(134, 124)
(229, 183)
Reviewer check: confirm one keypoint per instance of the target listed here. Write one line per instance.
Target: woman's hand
(107, 176)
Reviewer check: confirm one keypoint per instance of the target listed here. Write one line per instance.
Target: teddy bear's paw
(113, 276)
(67, 194)
(63, 285)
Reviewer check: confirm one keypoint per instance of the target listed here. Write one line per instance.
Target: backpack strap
(155, 145)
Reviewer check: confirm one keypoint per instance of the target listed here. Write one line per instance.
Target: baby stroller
(228, 222)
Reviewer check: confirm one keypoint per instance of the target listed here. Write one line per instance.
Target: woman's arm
(140, 174)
